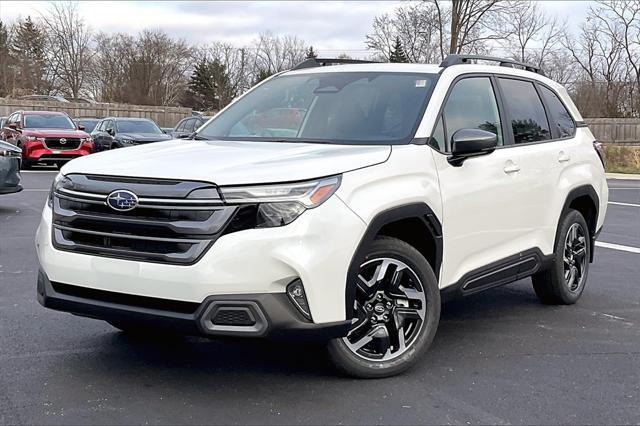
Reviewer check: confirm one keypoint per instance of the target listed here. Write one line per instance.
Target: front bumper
(39, 152)
(273, 316)
(316, 248)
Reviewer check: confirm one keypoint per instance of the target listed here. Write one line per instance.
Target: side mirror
(467, 143)
(111, 132)
(80, 127)
(13, 126)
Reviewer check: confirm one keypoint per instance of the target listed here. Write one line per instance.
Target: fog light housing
(296, 294)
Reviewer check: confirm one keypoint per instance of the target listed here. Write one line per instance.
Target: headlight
(60, 181)
(34, 139)
(10, 153)
(280, 204)
(128, 141)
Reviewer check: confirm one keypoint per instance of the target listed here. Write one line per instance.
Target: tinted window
(528, 119)
(190, 125)
(333, 107)
(48, 121)
(558, 114)
(181, 125)
(472, 105)
(437, 139)
(138, 126)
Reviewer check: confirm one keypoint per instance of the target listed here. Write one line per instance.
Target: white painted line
(38, 171)
(617, 203)
(618, 247)
(635, 189)
(36, 190)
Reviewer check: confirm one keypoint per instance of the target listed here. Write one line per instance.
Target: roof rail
(321, 62)
(504, 62)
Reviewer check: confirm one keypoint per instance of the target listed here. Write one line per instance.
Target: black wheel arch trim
(575, 193)
(419, 211)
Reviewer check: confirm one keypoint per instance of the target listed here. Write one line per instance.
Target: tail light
(599, 147)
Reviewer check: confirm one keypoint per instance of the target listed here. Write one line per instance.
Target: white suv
(341, 203)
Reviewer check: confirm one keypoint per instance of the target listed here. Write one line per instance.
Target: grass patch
(622, 159)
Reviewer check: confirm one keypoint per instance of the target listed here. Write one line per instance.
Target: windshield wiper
(199, 138)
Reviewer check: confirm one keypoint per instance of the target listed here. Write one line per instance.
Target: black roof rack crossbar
(321, 62)
(504, 62)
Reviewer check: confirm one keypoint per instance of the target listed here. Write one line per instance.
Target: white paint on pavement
(618, 247)
(617, 203)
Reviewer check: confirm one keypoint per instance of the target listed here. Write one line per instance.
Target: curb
(627, 176)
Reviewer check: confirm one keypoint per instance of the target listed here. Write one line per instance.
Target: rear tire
(564, 282)
(396, 312)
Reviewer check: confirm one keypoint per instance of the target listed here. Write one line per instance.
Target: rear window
(48, 121)
(528, 119)
(559, 115)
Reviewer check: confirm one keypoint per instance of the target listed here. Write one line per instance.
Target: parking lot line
(618, 247)
(617, 203)
(37, 190)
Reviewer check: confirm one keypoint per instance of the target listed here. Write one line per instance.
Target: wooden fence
(165, 116)
(619, 131)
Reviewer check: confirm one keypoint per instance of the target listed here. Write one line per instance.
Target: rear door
(483, 210)
(543, 153)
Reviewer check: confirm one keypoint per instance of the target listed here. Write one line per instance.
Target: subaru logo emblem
(122, 200)
(63, 141)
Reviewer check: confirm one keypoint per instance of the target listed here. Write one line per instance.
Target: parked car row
(54, 138)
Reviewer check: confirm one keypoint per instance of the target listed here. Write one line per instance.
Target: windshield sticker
(421, 83)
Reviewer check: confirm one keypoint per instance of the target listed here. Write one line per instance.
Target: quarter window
(472, 105)
(558, 113)
(528, 119)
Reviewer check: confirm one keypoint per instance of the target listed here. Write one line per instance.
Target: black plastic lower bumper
(269, 315)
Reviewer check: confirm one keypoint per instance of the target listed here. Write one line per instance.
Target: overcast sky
(331, 27)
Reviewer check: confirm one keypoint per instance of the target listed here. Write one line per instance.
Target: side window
(189, 126)
(437, 138)
(181, 125)
(528, 119)
(109, 124)
(558, 113)
(100, 127)
(472, 105)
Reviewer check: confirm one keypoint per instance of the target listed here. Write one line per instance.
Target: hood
(230, 163)
(55, 133)
(144, 137)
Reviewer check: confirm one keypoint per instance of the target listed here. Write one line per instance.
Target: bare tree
(278, 53)
(470, 23)
(69, 52)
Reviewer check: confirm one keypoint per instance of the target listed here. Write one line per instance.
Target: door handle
(563, 157)
(511, 167)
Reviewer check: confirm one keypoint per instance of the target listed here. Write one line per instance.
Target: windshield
(48, 121)
(337, 107)
(89, 125)
(137, 126)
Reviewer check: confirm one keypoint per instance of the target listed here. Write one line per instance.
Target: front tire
(564, 282)
(396, 312)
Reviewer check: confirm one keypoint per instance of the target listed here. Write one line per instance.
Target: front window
(47, 121)
(332, 107)
(137, 126)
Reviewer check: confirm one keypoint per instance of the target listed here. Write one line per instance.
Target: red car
(46, 137)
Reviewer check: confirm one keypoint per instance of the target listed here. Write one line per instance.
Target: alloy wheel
(390, 310)
(575, 257)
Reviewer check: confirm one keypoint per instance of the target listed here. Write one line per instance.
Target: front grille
(175, 230)
(59, 144)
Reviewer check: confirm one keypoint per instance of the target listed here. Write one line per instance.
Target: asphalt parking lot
(499, 357)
